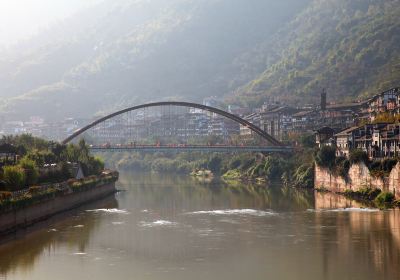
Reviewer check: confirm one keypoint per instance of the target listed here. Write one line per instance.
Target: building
(223, 127)
(387, 101)
(245, 131)
(381, 140)
(325, 137)
(304, 121)
(278, 122)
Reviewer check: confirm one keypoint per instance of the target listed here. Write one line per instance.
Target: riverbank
(27, 207)
(295, 169)
(361, 184)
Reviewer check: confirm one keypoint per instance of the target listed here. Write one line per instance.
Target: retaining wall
(21, 218)
(359, 177)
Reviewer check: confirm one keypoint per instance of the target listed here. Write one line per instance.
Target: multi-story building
(278, 122)
(377, 140)
(387, 101)
(221, 126)
(254, 118)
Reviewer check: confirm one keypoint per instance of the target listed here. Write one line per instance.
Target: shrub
(384, 197)
(358, 156)
(5, 195)
(388, 164)
(30, 169)
(304, 176)
(14, 176)
(326, 156)
(34, 189)
(215, 164)
(342, 166)
(234, 163)
(307, 141)
(273, 167)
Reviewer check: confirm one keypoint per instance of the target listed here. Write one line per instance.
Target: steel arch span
(220, 112)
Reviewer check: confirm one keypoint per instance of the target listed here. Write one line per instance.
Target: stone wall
(29, 215)
(359, 177)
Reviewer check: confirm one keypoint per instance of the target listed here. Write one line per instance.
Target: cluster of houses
(378, 138)
(36, 126)
(346, 125)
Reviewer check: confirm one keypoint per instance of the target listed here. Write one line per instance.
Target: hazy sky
(20, 19)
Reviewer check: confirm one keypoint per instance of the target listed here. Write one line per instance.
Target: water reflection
(172, 227)
(22, 249)
(352, 233)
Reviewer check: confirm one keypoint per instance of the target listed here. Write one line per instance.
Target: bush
(304, 176)
(5, 195)
(384, 197)
(326, 156)
(234, 163)
(273, 167)
(388, 164)
(30, 169)
(34, 189)
(215, 164)
(358, 156)
(14, 176)
(307, 141)
(342, 166)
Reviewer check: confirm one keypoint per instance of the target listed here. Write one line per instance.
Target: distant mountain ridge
(137, 51)
(127, 52)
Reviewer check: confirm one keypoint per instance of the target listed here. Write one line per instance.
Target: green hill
(126, 52)
(132, 51)
(350, 47)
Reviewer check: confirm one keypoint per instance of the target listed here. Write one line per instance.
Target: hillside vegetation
(127, 52)
(130, 51)
(350, 47)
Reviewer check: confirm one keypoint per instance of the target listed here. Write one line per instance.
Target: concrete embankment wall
(21, 218)
(359, 177)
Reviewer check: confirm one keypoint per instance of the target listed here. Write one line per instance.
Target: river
(172, 227)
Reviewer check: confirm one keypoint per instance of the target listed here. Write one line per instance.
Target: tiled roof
(347, 130)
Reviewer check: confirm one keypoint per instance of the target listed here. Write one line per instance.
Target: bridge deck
(230, 149)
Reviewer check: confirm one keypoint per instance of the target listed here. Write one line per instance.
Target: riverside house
(381, 140)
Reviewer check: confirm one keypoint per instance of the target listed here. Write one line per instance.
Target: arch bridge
(120, 124)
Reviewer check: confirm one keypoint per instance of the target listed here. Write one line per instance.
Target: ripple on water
(232, 212)
(111, 211)
(158, 223)
(351, 209)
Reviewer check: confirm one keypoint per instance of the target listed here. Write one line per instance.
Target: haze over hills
(350, 47)
(135, 51)
(117, 54)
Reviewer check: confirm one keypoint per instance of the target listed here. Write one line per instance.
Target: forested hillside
(350, 47)
(130, 51)
(127, 52)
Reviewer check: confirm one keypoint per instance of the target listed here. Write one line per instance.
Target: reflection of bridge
(191, 148)
(171, 127)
